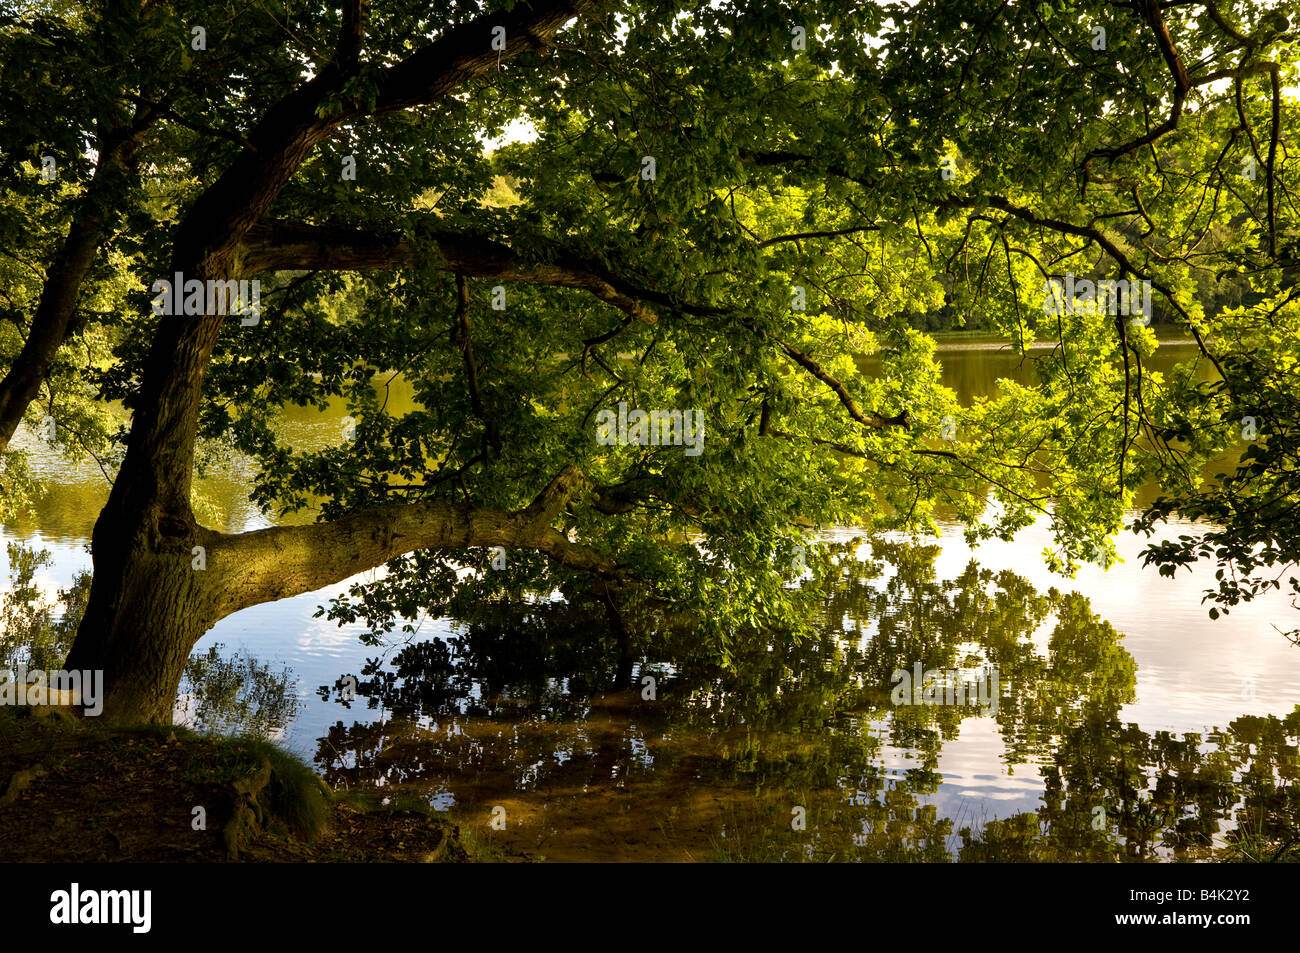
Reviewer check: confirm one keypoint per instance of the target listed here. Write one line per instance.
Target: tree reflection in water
(516, 711)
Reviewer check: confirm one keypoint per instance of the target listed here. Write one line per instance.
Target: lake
(1127, 724)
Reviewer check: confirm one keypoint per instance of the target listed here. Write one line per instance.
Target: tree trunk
(148, 607)
(148, 602)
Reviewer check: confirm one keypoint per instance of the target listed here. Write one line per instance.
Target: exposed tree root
(248, 815)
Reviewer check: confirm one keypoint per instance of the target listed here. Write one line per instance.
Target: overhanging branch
(288, 246)
(282, 561)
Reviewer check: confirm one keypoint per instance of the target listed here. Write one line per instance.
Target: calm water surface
(1129, 725)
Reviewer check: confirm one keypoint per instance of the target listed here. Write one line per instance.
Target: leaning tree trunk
(149, 602)
(151, 596)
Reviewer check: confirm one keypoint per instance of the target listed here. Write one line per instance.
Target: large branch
(288, 246)
(291, 246)
(1150, 11)
(1003, 204)
(283, 561)
(290, 130)
(465, 51)
(1092, 234)
(617, 499)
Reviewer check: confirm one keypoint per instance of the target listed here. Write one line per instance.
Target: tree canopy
(713, 209)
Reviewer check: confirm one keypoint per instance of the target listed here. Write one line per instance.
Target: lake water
(1128, 724)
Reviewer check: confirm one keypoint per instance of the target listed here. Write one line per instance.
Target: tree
(738, 197)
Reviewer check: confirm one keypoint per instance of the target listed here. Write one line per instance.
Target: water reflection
(221, 691)
(231, 693)
(798, 752)
(600, 748)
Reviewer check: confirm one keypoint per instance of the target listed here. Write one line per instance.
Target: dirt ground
(78, 792)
